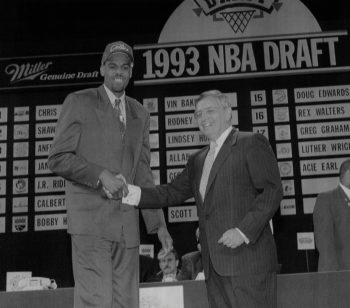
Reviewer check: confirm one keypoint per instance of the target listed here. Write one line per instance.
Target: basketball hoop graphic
(238, 20)
(237, 13)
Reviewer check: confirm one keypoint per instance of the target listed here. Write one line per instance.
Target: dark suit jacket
(191, 265)
(332, 230)
(244, 190)
(88, 140)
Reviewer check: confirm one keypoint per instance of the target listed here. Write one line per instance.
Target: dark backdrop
(34, 27)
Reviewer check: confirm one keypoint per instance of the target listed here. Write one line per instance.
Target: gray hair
(217, 95)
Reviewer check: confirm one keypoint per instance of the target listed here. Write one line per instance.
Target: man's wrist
(99, 179)
(246, 240)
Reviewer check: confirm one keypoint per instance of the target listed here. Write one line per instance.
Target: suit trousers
(106, 273)
(243, 291)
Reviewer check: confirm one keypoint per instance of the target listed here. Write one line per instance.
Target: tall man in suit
(102, 133)
(331, 224)
(242, 194)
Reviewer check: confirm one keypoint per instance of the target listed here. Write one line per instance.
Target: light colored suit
(332, 230)
(244, 190)
(87, 141)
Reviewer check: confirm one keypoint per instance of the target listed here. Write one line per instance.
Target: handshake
(114, 186)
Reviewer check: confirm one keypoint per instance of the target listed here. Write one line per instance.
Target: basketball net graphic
(238, 20)
(236, 13)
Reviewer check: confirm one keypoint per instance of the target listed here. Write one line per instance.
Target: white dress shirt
(220, 141)
(112, 99)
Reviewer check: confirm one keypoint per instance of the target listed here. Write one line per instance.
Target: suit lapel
(103, 102)
(221, 157)
(133, 132)
(343, 197)
(199, 162)
(104, 114)
(133, 122)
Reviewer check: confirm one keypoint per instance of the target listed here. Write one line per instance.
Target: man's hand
(165, 239)
(106, 193)
(231, 238)
(113, 185)
(121, 177)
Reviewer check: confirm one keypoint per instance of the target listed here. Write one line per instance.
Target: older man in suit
(236, 198)
(331, 218)
(102, 133)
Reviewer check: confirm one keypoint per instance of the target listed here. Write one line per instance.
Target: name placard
(324, 148)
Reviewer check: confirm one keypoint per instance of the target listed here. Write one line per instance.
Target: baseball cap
(115, 47)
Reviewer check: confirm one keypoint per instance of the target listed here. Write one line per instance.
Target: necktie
(119, 115)
(208, 163)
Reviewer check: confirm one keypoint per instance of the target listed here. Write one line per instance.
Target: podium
(306, 290)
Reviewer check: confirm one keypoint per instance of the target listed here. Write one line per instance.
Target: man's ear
(228, 114)
(102, 70)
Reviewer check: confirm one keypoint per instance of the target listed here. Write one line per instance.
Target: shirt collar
(220, 141)
(346, 190)
(112, 97)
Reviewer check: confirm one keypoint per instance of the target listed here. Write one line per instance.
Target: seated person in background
(168, 263)
(331, 224)
(192, 267)
(148, 267)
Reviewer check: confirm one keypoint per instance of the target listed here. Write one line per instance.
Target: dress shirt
(112, 99)
(169, 278)
(200, 276)
(208, 163)
(220, 141)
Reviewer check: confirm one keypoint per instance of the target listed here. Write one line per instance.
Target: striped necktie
(119, 115)
(208, 163)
